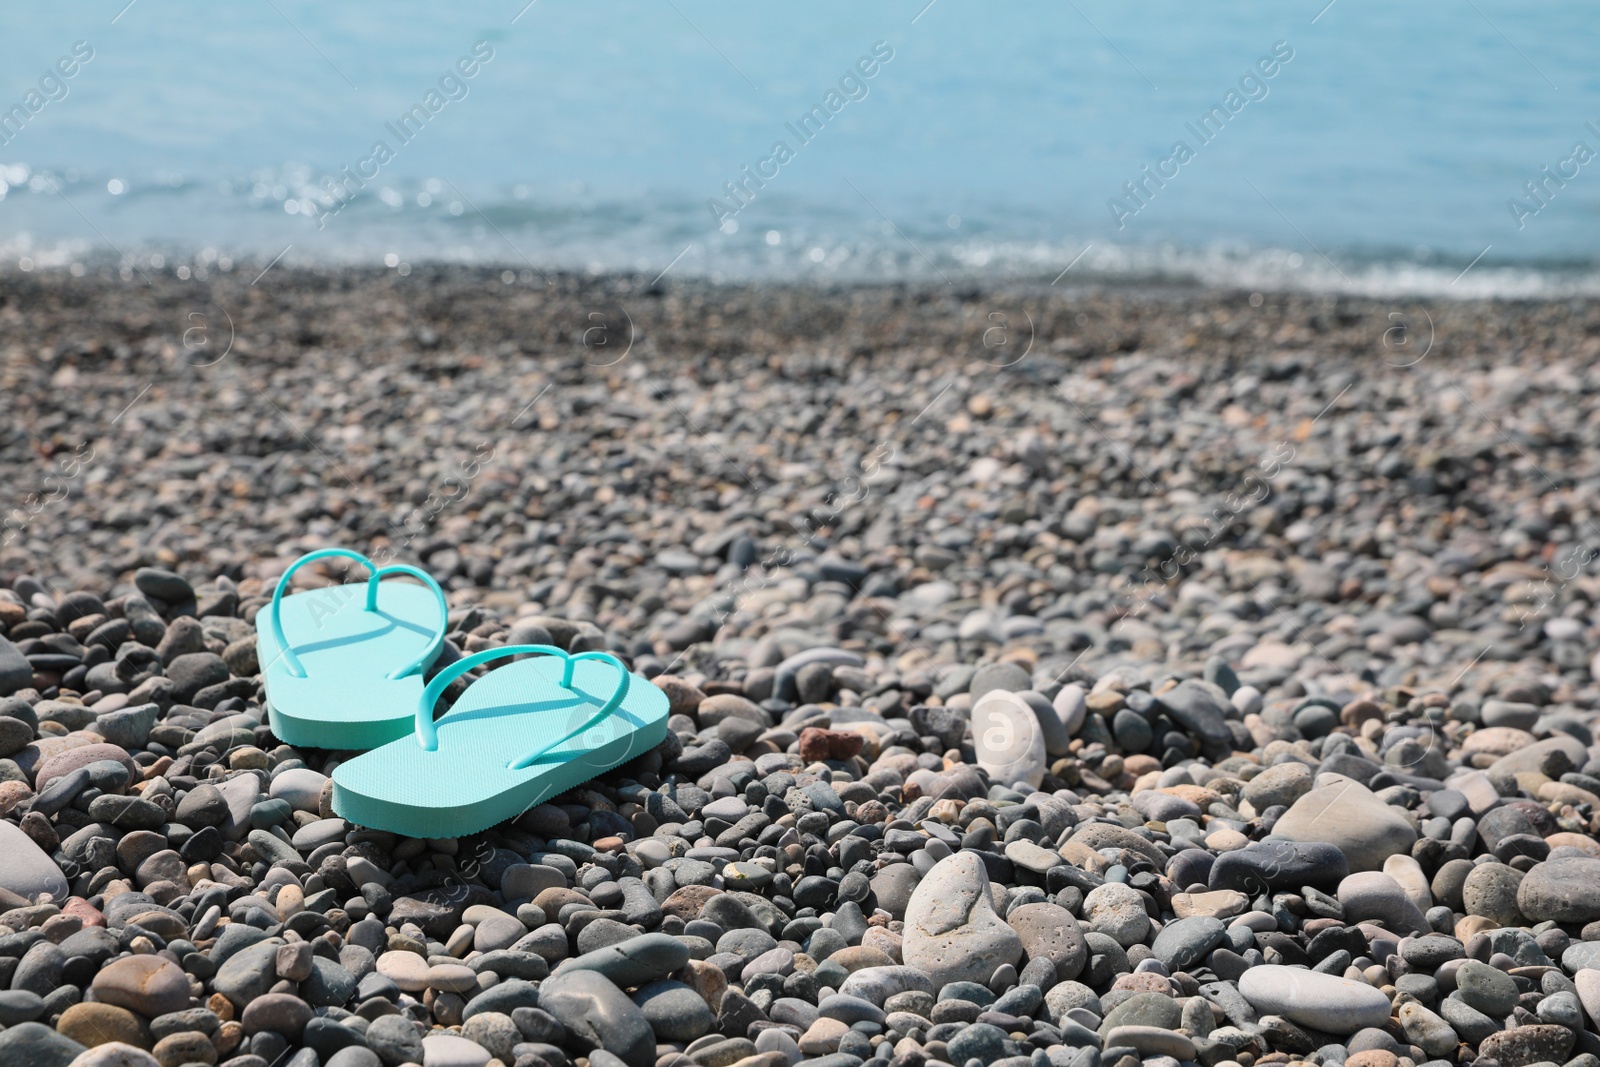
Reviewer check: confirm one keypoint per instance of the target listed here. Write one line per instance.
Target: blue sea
(1450, 149)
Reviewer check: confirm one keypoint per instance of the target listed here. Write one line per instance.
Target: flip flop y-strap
(426, 579)
(275, 610)
(427, 729)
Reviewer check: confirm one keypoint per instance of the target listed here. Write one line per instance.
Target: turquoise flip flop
(519, 735)
(353, 675)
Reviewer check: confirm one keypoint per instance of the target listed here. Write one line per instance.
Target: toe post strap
(290, 660)
(426, 579)
(428, 731)
(376, 574)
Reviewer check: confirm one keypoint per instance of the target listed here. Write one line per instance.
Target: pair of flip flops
(345, 670)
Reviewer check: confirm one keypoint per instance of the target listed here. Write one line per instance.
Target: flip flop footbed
(466, 784)
(346, 699)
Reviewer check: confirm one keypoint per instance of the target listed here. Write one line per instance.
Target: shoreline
(985, 263)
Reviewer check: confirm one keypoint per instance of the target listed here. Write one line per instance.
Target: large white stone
(1321, 1001)
(1007, 739)
(25, 868)
(952, 932)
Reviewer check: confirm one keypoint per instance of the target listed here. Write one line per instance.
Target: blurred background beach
(1382, 154)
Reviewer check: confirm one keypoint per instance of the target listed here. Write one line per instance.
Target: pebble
(1488, 989)
(495, 1032)
(951, 930)
(1527, 1045)
(1220, 904)
(300, 786)
(405, 969)
(148, 985)
(447, 1050)
(1152, 1041)
(636, 961)
(248, 973)
(496, 931)
(280, 1012)
(128, 728)
(1007, 739)
(1344, 813)
(1491, 890)
(1425, 1029)
(1183, 943)
(674, 1011)
(1278, 786)
(1321, 1001)
(395, 1039)
(115, 1054)
(1050, 932)
(598, 1013)
(90, 1023)
(28, 870)
(36, 1045)
(1565, 890)
(1117, 910)
(1375, 895)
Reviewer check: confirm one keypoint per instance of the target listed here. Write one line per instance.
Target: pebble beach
(1058, 677)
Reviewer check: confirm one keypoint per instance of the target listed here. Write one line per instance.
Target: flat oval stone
(1200, 709)
(594, 1009)
(635, 961)
(893, 885)
(1117, 910)
(405, 969)
(1098, 835)
(312, 836)
(1143, 1009)
(395, 1039)
(451, 978)
(1486, 988)
(878, 984)
(300, 786)
(1183, 943)
(1321, 1001)
(1152, 1041)
(850, 1009)
(56, 766)
(92, 1023)
(1525, 1045)
(1279, 864)
(1280, 785)
(36, 1045)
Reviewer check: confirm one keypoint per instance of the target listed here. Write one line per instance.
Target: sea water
(1431, 147)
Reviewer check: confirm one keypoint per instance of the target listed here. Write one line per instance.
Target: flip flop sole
(343, 711)
(465, 785)
(346, 699)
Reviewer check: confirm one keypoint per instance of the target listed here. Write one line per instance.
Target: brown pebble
(817, 744)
